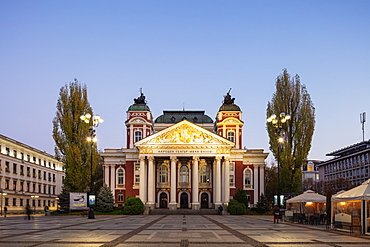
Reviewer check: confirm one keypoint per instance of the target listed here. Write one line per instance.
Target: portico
(184, 165)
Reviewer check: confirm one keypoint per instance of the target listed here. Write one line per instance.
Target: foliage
(241, 197)
(104, 199)
(291, 97)
(263, 205)
(70, 133)
(271, 184)
(63, 201)
(236, 208)
(133, 205)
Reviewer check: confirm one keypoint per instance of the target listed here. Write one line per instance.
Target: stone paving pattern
(168, 231)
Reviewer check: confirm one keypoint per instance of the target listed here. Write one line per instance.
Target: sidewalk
(168, 230)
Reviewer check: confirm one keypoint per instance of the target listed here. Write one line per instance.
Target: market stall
(308, 208)
(351, 209)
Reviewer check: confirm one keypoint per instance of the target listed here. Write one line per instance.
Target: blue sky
(184, 53)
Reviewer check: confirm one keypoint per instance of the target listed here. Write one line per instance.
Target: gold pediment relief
(187, 134)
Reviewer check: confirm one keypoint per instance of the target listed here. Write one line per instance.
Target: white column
(113, 177)
(106, 175)
(195, 184)
(227, 180)
(173, 204)
(131, 136)
(218, 182)
(262, 180)
(255, 184)
(142, 185)
(151, 182)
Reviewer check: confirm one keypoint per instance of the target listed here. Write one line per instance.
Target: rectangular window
(138, 136)
(7, 168)
(53, 177)
(231, 136)
(22, 170)
(28, 158)
(40, 177)
(21, 186)
(15, 153)
(120, 197)
(21, 202)
(34, 173)
(7, 184)
(7, 202)
(44, 175)
(14, 201)
(7, 151)
(14, 185)
(39, 188)
(28, 187)
(28, 172)
(34, 187)
(14, 168)
(137, 178)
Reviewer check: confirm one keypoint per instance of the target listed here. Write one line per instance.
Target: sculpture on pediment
(228, 100)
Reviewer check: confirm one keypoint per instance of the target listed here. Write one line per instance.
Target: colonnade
(220, 181)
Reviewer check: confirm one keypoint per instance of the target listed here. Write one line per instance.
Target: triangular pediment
(184, 135)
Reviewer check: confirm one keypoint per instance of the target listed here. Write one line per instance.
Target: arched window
(204, 173)
(184, 174)
(247, 181)
(120, 177)
(163, 174)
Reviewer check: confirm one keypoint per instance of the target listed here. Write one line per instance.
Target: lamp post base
(91, 214)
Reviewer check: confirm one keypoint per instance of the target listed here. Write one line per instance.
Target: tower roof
(228, 103)
(139, 104)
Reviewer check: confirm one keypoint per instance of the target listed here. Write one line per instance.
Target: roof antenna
(183, 106)
(363, 120)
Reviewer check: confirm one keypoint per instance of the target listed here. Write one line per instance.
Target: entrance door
(204, 200)
(184, 200)
(163, 200)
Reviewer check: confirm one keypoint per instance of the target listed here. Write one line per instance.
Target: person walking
(28, 211)
(276, 212)
(5, 211)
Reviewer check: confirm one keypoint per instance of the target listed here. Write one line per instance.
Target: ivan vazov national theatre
(183, 159)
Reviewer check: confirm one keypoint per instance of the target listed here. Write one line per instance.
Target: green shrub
(236, 208)
(133, 206)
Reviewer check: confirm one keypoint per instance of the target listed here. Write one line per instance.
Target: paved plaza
(168, 230)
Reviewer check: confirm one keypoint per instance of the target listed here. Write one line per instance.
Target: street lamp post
(94, 122)
(34, 202)
(277, 122)
(1, 201)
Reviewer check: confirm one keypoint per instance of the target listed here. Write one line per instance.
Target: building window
(138, 136)
(7, 184)
(247, 174)
(14, 185)
(14, 168)
(34, 173)
(7, 168)
(22, 170)
(7, 202)
(28, 172)
(28, 187)
(184, 174)
(120, 197)
(15, 153)
(231, 136)
(7, 151)
(204, 173)
(137, 174)
(14, 201)
(21, 186)
(40, 177)
(120, 177)
(44, 175)
(232, 174)
(53, 177)
(163, 173)
(21, 202)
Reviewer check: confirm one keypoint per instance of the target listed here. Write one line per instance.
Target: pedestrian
(28, 211)
(276, 212)
(220, 209)
(46, 209)
(5, 211)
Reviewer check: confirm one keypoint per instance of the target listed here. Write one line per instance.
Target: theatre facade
(184, 159)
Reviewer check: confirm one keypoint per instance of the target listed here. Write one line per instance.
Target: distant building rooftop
(197, 117)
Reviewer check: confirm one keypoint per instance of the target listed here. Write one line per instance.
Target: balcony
(183, 185)
(205, 185)
(163, 185)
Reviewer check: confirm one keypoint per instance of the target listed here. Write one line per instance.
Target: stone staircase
(183, 211)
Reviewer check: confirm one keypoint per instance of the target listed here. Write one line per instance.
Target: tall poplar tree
(69, 133)
(291, 97)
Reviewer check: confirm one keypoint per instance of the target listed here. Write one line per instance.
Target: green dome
(229, 107)
(139, 107)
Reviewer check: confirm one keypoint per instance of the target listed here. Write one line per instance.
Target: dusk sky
(184, 54)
